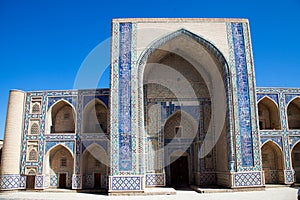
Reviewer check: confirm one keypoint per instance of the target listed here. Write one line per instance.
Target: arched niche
(95, 116)
(268, 112)
(95, 167)
(61, 118)
(293, 114)
(59, 165)
(272, 162)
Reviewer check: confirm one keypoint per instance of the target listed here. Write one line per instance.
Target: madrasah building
(182, 109)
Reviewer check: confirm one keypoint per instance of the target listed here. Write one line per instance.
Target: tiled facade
(128, 146)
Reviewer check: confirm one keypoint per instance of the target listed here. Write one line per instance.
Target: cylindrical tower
(13, 135)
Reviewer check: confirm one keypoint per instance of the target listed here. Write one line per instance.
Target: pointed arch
(272, 162)
(61, 117)
(58, 145)
(95, 117)
(269, 140)
(94, 166)
(293, 113)
(59, 165)
(206, 60)
(268, 112)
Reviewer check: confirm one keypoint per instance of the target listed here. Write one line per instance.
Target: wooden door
(97, 180)
(180, 172)
(30, 182)
(62, 180)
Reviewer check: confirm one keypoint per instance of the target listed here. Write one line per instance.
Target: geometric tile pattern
(207, 178)
(39, 182)
(126, 183)
(247, 179)
(155, 179)
(8, 182)
(53, 180)
(289, 178)
(76, 181)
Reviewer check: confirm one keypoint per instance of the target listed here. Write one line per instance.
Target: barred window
(33, 155)
(97, 163)
(36, 108)
(35, 129)
(178, 131)
(63, 162)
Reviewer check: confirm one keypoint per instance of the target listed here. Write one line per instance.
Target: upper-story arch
(268, 112)
(293, 114)
(95, 116)
(61, 118)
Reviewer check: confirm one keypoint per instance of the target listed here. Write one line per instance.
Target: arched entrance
(176, 75)
(179, 132)
(272, 161)
(94, 167)
(60, 167)
(296, 161)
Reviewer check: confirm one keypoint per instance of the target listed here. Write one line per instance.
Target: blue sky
(43, 43)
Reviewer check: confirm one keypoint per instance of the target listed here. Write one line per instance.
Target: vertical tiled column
(288, 171)
(77, 176)
(124, 173)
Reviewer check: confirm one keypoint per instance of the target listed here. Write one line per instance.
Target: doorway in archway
(180, 172)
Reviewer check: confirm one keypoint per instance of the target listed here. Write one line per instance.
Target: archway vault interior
(177, 78)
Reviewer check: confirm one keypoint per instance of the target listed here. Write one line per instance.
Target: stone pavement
(282, 193)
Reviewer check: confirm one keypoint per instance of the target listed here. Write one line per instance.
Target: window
(34, 129)
(63, 162)
(178, 131)
(36, 108)
(97, 163)
(32, 155)
(66, 116)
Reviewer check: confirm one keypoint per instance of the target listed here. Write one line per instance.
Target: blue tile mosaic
(125, 143)
(243, 95)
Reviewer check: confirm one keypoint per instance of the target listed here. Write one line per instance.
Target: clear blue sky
(43, 43)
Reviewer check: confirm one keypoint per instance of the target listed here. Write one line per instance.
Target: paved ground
(282, 193)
